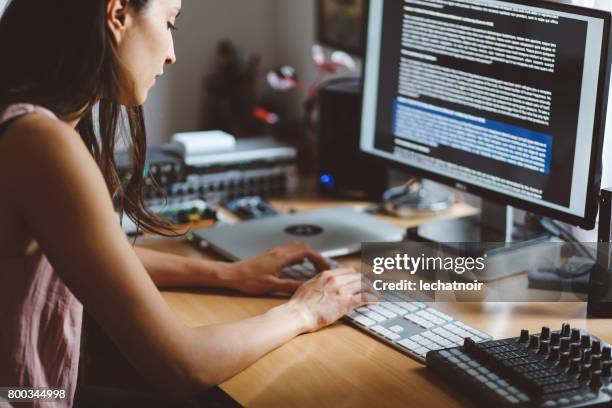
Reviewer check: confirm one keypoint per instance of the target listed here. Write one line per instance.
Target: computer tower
(344, 171)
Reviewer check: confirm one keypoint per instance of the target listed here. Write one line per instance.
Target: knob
(565, 360)
(606, 353)
(544, 347)
(545, 334)
(585, 341)
(468, 344)
(565, 329)
(574, 366)
(606, 368)
(565, 344)
(524, 337)
(596, 347)
(586, 357)
(555, 339)
(575, 350)
(596, 362)
(585, 373)
(554, 354)
(595, 379)
(575, 336)
(534, 341)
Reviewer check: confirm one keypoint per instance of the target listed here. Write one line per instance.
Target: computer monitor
(503, 99)
(341, 24)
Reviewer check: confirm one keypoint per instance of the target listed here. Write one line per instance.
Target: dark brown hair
(59, 54)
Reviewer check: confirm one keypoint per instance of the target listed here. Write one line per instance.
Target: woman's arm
(253, 276)
(50, 179)
(168, 271)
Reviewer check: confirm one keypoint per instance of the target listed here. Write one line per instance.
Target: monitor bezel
(595, 172)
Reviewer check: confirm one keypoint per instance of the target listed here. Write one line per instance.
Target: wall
(296, 33)
(176, 103)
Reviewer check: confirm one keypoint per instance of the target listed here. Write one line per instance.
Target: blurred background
(278, 31)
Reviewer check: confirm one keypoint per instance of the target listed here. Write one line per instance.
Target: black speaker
(344, 171)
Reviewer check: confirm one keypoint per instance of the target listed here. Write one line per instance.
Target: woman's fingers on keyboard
(368, 286)
(296, 252)
(338, 272)
(363, 298)
(340, 277)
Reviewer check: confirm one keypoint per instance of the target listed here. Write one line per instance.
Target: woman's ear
(117, 14)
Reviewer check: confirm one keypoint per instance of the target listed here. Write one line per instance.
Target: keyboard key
(465, 334)
(376, 317)
(394, 308)
(392, 336)
(428, 335)
(446, 343)
(456, 339)
(383, 311)
(491, 385)
(429, 317)
(419, 339)
(379, 329)
(396, 329)
(353, 314)
(437, 338)
(417, 320)
(442, 332)
(408, 306)
(501, 392)
(453, 328)
(409, 344)
(512, 399)
(522, 397)
(441, 315)
(364, 321)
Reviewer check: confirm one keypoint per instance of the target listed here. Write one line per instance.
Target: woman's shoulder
(37, 148)
(36, 124)
(37, 133)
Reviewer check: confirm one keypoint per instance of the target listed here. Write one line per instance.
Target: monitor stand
(510, 248)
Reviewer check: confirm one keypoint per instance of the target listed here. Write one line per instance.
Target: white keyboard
(412, 327)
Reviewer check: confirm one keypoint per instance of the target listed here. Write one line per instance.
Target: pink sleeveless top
(40, 319)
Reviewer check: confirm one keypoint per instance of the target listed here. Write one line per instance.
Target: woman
(68, 67)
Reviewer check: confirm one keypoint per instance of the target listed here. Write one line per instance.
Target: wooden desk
(341, 366)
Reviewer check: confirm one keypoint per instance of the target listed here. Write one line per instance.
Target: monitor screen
(341, 24)
(505, 99)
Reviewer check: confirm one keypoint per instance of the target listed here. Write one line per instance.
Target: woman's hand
(260, 274)
(330, 295)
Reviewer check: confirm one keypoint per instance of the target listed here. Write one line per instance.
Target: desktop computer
(339, 103)
(502, 99)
